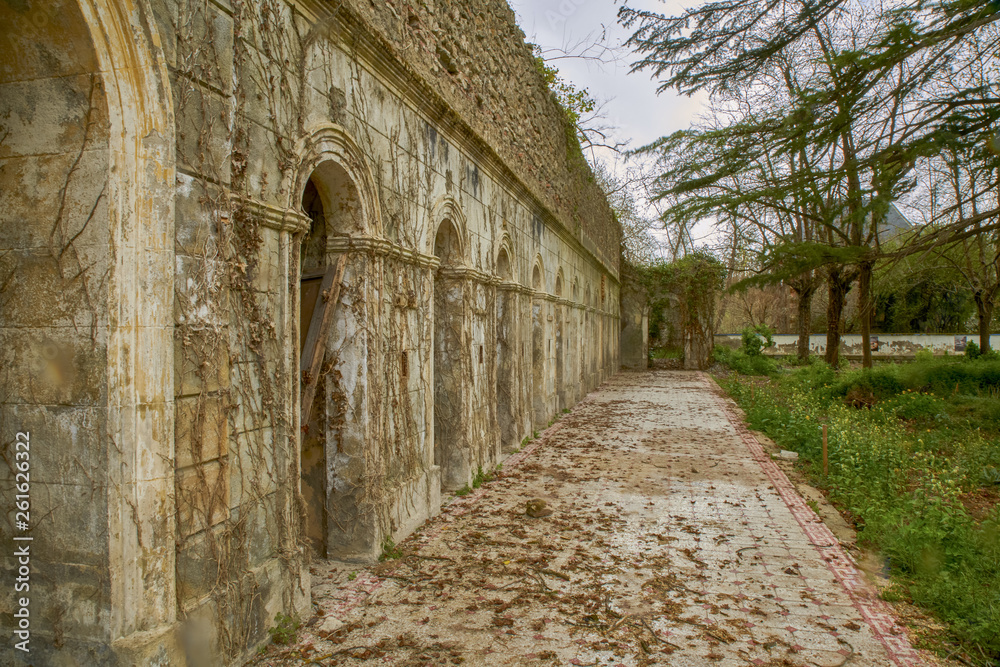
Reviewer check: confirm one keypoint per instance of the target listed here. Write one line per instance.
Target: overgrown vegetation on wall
(682, 296)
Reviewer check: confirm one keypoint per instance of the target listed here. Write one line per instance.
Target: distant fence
(883, 345)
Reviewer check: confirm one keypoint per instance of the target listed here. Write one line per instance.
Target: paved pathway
(673, 540)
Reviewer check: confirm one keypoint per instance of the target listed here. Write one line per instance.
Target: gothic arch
(505, 249)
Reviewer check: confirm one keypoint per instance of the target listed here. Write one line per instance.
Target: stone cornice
(382, 247)
(467, 273)
(272, 217)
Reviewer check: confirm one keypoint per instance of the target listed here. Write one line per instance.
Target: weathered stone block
(68, 602)
(53, 366)
(30, 209)
(202, 35)
(202, 429)
(67, 51)
(201, 299)
(67, 443)
(202, 497)
(252, 468)
(203, 131)
(201, 360)
(198, 565)
(196, 207)
(69, 523)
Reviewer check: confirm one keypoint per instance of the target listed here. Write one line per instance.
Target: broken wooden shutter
(319, 327)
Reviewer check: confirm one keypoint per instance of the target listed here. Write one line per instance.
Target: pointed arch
(505, 267)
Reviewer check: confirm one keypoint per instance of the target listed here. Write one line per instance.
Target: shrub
(971, 350)
(869, 385)
(756, 340)
(743, 363)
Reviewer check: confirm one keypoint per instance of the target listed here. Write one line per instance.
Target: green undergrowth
(914, 460)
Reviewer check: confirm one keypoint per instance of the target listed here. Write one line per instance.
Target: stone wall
(899, 346)
(179, 177)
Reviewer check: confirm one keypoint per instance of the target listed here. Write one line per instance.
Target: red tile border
(875, 611)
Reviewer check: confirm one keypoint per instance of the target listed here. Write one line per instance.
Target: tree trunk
(984, 309)
(865, 311)
(834, 311)
(804, 321)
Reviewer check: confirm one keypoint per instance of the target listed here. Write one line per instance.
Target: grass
(482, 477)
(666, 353)
(389, 550)
(915, 462)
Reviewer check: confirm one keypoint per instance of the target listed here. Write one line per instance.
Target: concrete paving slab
(674, 540)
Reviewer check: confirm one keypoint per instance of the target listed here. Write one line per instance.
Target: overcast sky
(638, 112)
(633, 107)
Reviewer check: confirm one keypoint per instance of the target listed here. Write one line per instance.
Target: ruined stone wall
(156, 197)
(85, 162)
(54, 157)
(474, 55)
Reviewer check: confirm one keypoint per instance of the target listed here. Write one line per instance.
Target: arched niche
(505, 267)
(506, 362)
(451, 357)
(504, 271)
(538, 347)
(559, 334)
(333, 438)
(538, 276)
(334, 196)
(448, 245)
(100, 390)
(447, 240)
(339, 170)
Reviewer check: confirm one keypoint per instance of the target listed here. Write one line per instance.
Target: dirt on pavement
(669, 541)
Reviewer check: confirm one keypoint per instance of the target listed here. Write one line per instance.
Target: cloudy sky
(634, 107)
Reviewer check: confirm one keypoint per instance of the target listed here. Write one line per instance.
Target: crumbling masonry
(212, 208)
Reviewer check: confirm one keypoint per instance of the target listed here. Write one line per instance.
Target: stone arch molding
(446, 208)
(141, 178)
(506, 245)
(538, 264)
(331, 143)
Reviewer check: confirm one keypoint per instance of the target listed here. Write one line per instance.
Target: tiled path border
(875, 612)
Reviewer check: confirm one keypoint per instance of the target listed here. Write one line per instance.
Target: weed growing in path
(285, 630)
(389, 550)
